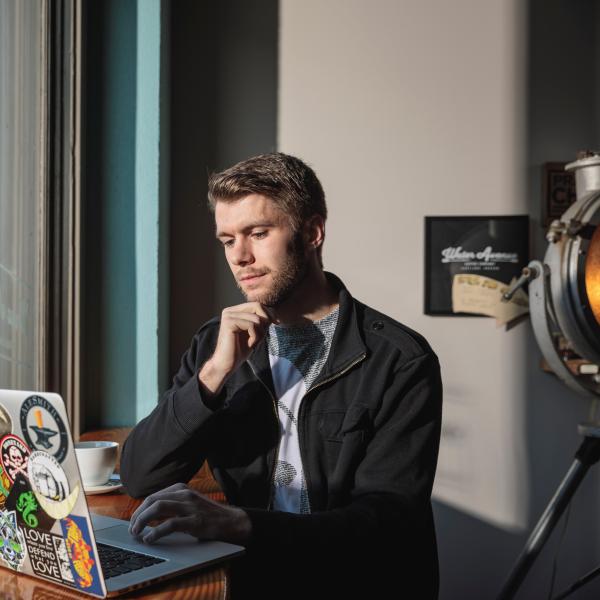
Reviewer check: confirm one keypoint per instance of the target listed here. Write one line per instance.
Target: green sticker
(27, 505)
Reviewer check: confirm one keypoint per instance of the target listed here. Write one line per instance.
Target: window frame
(62, 256)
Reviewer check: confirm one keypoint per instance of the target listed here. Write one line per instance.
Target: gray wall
(562, 118)
(426, 108)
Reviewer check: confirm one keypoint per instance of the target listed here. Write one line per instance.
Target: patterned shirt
(297, 355)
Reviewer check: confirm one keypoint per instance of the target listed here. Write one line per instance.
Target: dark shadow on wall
(223, 109)
(563, 52)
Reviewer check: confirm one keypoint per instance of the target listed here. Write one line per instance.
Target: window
(22, 192)
(40, 197)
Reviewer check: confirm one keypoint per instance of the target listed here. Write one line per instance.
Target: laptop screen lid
(46, 529)
(45, 525)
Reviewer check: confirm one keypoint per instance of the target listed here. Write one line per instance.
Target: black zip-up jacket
(369, 430)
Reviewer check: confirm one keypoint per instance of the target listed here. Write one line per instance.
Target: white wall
(406, 111)
(412, 108)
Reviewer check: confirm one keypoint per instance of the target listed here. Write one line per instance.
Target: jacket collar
(347, 345)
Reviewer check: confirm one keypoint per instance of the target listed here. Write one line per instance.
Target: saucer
(112, 485)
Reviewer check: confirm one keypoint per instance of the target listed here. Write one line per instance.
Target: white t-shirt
(297, 355)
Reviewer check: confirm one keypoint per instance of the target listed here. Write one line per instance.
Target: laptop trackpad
(175, 545)
(102, 522)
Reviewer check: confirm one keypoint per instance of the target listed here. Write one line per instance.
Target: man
(318, 415)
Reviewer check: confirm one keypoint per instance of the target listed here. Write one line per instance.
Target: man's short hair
(290, 183)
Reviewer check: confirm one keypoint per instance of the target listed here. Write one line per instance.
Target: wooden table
(207, 584)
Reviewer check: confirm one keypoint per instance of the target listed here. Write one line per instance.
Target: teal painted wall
(151, 227)
(125, 237)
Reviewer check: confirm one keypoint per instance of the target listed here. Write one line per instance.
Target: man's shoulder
(208, 330)
(382, 330)
(211, 324)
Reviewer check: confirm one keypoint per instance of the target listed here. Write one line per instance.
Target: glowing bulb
(592, 274)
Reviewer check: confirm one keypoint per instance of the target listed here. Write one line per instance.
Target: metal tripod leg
(587, 455)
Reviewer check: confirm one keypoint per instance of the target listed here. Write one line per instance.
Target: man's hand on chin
(180, 508)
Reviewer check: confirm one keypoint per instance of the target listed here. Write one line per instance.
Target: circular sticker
(14, 455)
(50, 485)
(43, 428)
(5, 422)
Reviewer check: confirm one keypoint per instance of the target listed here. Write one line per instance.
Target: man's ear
(314, 231)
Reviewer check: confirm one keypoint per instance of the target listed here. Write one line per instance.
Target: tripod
(587, 455)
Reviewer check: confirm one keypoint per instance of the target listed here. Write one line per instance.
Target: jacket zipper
(301, 437)
(276, 414)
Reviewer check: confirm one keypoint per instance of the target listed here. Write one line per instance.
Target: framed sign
(558, 191)
(495, 247)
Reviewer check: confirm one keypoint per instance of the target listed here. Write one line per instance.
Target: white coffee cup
(97, 461)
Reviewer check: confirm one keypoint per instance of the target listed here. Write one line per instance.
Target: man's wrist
(211, 378)
(240, 527)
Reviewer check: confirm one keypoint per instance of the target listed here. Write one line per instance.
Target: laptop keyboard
(118, 561)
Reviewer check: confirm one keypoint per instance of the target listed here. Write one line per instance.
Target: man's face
(259, 241)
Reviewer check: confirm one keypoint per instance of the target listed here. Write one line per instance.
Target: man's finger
(167, 527)
(173, 492)
(252, 329)
(259, 309)
(178, 492)
(158, 510)
(141, 508)
(244, 322)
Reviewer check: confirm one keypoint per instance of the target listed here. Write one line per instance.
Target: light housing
(565, 301)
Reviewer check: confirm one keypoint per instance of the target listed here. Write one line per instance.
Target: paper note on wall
(481, 295)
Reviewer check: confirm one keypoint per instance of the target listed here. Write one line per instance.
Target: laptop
(46, 529)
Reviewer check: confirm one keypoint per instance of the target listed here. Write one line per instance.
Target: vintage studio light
(564, 304)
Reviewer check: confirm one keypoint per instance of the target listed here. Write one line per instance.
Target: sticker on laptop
(50, 485)
(43, 428)
(81, 554)
(14, 455)
(5, 485)
(48, 555)
(12, 542)
(29, 512)
(6, 425)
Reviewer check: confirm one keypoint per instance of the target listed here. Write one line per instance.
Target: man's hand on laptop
(180, 508)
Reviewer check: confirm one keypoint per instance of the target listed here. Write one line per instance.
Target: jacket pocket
(343, 450)
(335, 425)
(356, 419)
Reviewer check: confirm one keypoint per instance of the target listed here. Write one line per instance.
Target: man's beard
(290, 275)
